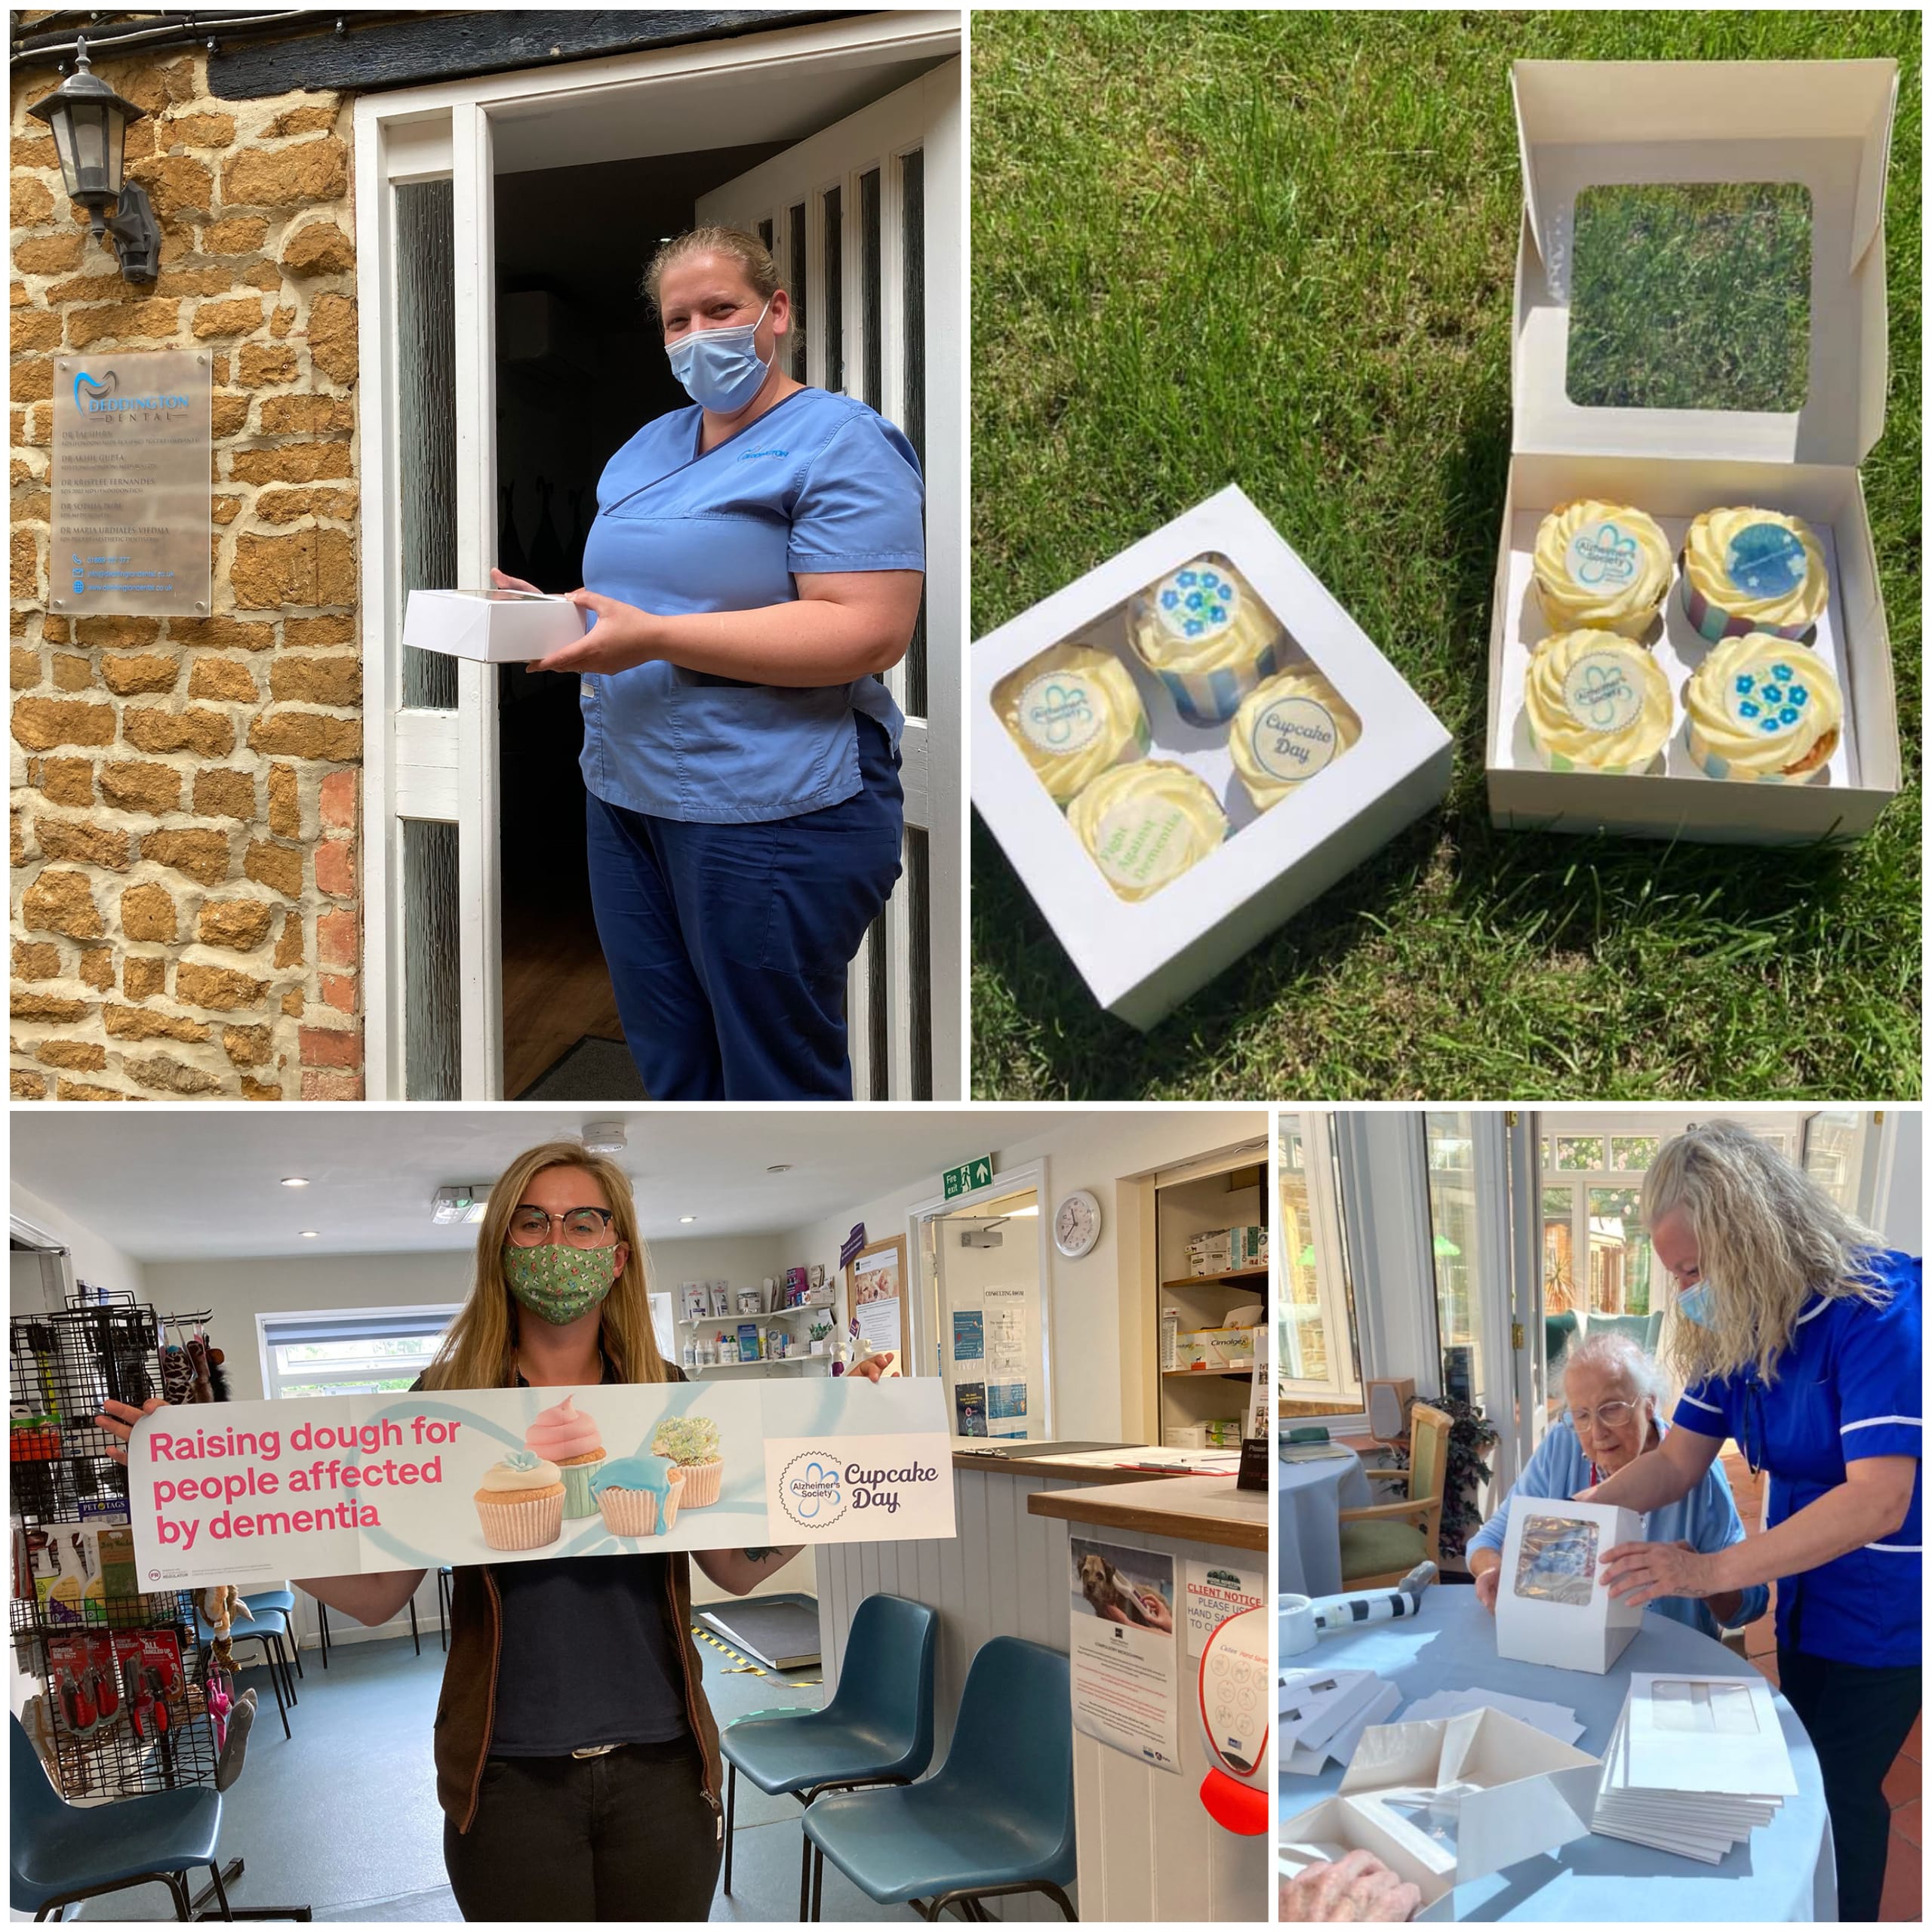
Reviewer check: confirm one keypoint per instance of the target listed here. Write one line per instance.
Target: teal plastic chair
(283, 1600)
(997, 1817)
(63, 1853)
(268, 1630)
(878, 1729)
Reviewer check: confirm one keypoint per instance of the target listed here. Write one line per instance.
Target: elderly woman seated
(1612, 1390)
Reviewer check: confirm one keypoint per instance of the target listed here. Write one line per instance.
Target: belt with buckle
(594, 1751)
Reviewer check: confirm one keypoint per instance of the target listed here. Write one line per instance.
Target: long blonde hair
(479, 1352)
(1768, 1237)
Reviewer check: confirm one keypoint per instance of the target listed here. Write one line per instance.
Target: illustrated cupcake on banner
(691, 1443)
(521, 1504)
(565, 1436)
(638, 1496)
(1204, 634)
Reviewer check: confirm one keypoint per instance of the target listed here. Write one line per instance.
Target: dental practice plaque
(353, 1484)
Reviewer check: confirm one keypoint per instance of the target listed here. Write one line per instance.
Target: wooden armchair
(1382, 1544)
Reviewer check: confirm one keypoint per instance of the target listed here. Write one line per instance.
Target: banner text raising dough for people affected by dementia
(246, 1492)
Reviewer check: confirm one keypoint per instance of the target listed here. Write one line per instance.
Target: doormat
(593, 1069)
(781, 1632)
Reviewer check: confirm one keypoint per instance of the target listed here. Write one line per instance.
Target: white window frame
(437, 1316)
(1331, 1296)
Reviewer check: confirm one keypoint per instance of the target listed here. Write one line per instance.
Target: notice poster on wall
(877, 1283)
(1215, 1592)
(349, 1484)
(969, 1335)
(1124, 1666)
(1005, 1312)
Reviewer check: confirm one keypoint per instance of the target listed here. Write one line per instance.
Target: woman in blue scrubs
(1796, 1333)
(755, 564)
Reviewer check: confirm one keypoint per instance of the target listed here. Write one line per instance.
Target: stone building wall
(185, 794)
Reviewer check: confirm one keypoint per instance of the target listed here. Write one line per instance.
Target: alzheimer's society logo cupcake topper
(812, 1490)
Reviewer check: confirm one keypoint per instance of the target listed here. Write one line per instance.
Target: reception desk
(1147, 1850)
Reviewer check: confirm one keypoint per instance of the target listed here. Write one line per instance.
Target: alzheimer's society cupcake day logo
(880, 1486)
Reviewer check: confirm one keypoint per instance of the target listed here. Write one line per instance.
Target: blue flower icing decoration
(1169, 598)
(1185, 579)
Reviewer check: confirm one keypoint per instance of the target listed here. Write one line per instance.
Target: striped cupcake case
(1203, 632)
(1714, 625)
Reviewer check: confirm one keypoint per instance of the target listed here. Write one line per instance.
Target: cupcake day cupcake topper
(1293, 738)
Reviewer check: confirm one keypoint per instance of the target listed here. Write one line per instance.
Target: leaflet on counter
(244, 1492)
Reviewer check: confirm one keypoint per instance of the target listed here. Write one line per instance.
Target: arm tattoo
(759, 1556)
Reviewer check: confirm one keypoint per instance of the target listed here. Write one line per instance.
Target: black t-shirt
(587, 1657)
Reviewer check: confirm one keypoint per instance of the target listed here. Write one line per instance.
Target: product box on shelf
(1126, 729)
(495, 626)
(1217, 1348)
(1699, 327)
(1449, 1799)
(1226, 1251)
(1551, 1605)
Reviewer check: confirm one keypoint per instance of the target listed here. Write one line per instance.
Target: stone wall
(187, 793)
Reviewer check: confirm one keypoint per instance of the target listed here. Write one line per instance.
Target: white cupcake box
(1140, 959)
(1825, 125)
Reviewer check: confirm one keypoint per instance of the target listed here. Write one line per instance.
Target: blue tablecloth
(1313, 1495)
(1784, 1873)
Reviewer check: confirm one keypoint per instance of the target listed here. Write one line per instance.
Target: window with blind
(351, 1353)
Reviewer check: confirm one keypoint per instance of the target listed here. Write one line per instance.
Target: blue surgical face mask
(1694, 1305)
(719, 368)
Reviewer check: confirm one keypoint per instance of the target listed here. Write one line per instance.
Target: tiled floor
(1901, 1899)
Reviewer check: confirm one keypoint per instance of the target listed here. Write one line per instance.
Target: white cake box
(1523, 1794)
(1140, 959)
(1551, 1605)
(1825, 126)
(495, 626)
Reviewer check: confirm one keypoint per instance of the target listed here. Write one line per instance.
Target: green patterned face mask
(558, 1284)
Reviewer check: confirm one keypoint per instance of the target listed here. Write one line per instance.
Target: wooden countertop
(1033, 1466)
(1189, 1508)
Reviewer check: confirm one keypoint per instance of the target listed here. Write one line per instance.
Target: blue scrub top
(1706, 1519)
(1847, 1386)
(819, 482)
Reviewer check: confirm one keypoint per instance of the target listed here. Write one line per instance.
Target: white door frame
(927, 1322)
(442, 765)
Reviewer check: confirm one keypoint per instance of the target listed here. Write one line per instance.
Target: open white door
(878, 202)
(864, 221)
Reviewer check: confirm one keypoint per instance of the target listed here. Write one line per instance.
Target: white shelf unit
(824, 1308)
(1232, 1197)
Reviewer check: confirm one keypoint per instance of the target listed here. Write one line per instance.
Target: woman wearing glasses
(1611, 1389)
(577, 1758)
(1797, 1335)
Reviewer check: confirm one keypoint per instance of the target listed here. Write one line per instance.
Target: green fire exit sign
(968, 1175)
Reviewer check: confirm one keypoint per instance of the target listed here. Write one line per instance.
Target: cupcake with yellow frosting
(1288, 730)
(1206, 635)
(1601, 566)
(1146, 824)
(1595, 701)
(1073, 711)
(1760, 707)
(1749, 571)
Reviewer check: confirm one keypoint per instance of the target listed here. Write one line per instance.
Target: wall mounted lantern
(89, 122)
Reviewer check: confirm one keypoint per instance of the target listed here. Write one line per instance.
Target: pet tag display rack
(125, 1690)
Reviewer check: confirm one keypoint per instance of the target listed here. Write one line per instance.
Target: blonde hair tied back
(751, 254)
(1769, 1237)
(479, 1351)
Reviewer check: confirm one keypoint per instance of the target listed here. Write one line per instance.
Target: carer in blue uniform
(755, 563)
(1814, 1327)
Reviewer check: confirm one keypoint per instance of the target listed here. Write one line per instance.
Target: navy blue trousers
(727, 944)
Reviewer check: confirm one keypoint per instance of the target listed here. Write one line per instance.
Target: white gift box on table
(495, 626)
(1448, 1800)
(1551, 1604)
(1826, 126)
(1140, 959)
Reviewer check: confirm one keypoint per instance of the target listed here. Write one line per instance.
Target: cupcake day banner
(346, 1485)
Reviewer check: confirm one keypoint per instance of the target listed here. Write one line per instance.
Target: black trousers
(627, 1835)
(1857, 1719)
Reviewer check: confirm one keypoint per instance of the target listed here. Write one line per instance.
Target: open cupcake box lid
(1141, 958)
(1826, 126)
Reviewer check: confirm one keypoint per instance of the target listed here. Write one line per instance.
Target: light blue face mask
(719, 368)
(1694, 1305)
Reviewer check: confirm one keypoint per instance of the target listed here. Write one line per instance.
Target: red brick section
(1900, 1901)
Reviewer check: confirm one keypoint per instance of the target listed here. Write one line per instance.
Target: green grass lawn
(1278, 250)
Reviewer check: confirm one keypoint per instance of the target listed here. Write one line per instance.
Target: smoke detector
(606, 1136)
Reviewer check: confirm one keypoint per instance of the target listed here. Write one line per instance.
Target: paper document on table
(1556, 1720)
(1308, 1760)
(1312, 1705)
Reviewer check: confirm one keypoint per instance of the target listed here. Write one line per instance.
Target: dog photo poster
(1123, 1652)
